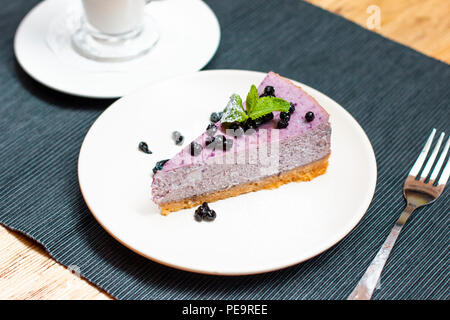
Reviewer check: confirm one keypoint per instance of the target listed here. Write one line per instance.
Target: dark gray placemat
(395, 93)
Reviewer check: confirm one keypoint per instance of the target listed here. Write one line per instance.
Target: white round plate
(253, 233)
(189, 37)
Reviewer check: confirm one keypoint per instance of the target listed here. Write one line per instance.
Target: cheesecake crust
(302, 173)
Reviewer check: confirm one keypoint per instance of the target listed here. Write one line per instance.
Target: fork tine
(423, 154)
(444, 176)
(430, 161)
(438, 166)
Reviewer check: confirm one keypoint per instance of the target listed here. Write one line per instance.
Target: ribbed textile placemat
(395, 93)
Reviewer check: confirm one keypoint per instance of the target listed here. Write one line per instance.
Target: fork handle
(369, 280)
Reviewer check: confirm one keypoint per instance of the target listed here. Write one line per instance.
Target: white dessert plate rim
(86, 157)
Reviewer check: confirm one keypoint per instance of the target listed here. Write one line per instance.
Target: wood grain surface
(28, 272)
(420, 24)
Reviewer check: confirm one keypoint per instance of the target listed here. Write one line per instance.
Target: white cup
(114, 17)
(114, 30)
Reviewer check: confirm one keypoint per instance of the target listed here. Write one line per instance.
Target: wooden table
(28, 272)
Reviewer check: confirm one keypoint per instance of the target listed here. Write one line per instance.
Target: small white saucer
(189, 37)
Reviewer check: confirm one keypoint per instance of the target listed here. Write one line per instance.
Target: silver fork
(418, 193)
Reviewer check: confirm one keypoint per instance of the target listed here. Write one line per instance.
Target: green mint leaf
(234, 111)
(252, 98)
(267, 105)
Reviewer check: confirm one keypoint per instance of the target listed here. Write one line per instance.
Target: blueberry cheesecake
(277, 135)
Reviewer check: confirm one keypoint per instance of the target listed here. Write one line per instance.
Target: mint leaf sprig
(256, 107)
(252, 98)
(267, 105)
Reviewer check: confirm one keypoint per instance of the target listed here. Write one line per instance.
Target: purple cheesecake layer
(300, 143)
(198, 179)
(284, 89)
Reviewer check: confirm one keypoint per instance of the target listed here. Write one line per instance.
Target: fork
(418, 190)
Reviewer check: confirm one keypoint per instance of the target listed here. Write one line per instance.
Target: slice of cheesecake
(274, 154)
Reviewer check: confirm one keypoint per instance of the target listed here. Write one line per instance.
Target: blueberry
(266, 95)
(204, 213)
(159, 165)
(250, 124)
(197, 216)
(162, 162)
(210, 215)
(175, 134)
(205, 205)
(250, 127)
(235, 130)
(211, 129)
(195, 148)
(218, 141)
(269, 91)
(265, 118)
(259, 121)
(215, 116)
(177, 137)
(144, 147)
(282, 124)
(200, 213)
(179, 140)
(309, 116)
(268, 117)
(209, 142)
(291, 108)
(227, 144)
(285, 116)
